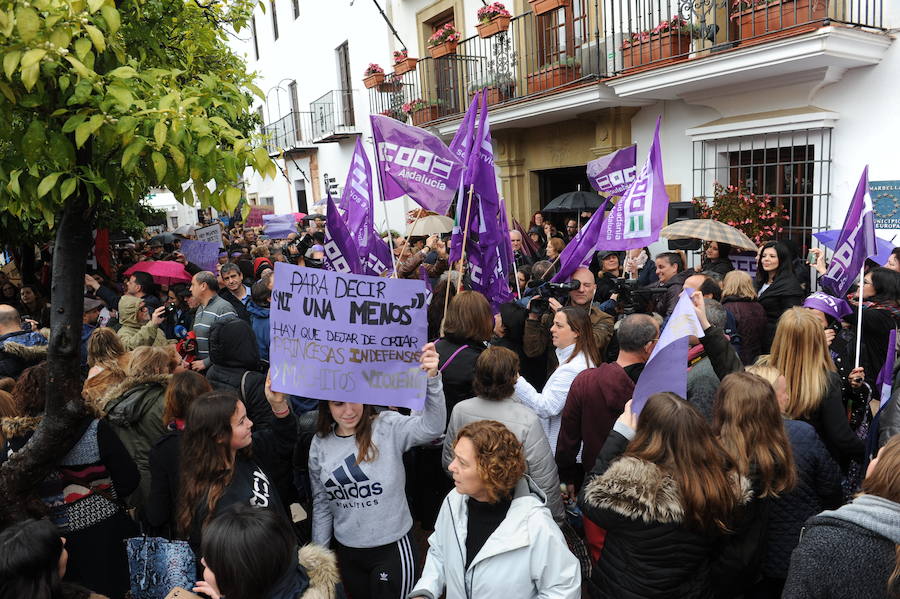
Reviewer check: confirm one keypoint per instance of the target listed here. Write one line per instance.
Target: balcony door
(346, 91)
(560, 33)
(446, 71)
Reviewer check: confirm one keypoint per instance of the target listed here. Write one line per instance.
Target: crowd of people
(526, 474)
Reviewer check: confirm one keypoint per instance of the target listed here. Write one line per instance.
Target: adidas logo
(383, 577)
(344, 482)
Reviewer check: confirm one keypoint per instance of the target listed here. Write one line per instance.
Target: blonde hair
(800, 353)
(104, 347)
(764, 370)
(149, 360)
(737, 283)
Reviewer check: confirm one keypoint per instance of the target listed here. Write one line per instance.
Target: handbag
(157, 565)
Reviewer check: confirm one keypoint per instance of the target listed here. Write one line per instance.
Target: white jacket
(525, 558)
(549, 404)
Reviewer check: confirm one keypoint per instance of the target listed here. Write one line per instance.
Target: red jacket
(596, 399)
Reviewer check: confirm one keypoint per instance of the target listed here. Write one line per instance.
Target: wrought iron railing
(293, 130)
(588, 40)
(332, 114)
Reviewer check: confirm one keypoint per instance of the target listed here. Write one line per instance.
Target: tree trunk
(58, 431)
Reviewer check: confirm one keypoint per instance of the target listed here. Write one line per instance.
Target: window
(561, 32)
(253, 35)
(295, 4)
(346, 86)
(274, 19)
(295, 109)
(446, 70)
(267, 201)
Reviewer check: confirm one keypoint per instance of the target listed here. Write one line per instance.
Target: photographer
(537, 328)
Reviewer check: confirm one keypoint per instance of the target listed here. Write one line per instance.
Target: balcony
(293, 131)
(332, 117)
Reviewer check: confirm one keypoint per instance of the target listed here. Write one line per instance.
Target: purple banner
(580, 250)
(340, 250)
(855, 243)
(279, 226)
(613, 173)
(204, 254)
(377, 260)
(666, 370)
(416, 163)
(356, 200)
(884, 383)
(346, 337)
(636, 219)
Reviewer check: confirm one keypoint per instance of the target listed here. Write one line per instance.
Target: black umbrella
(164, 238)
(574, 201)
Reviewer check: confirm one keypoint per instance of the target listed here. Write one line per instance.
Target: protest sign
(212, 234)
(346, 337)
(204, 254)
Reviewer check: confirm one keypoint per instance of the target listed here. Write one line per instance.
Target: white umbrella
(432, 224)
(185, 230)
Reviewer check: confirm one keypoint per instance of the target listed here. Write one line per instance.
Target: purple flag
(830, 237)
(416, 163)
(581, 249)
(429, 291)
(856, 241)
(613, 173)
(635, 220)
(461, 144)
(666, 370)
(356, 200)
(377, 260)
(528, 245)
(885, 380)
(340, 251)
(279, 226)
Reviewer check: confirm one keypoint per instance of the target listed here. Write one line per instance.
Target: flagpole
(862, 272)
(446, 301)
(552, 264)
(462, 256)
(516, 277)
(406, 240)
(387, 220)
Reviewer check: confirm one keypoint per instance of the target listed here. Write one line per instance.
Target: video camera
(540, 304)
(301, 244)
(634, 299)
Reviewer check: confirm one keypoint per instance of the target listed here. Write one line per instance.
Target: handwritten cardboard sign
(345, 337)
(211, 234)
(204, 254)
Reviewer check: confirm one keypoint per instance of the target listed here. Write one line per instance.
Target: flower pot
(551, 77)
(405, 66)
(424, 115)
(661, 48)
(390, 87)
(492, 27)
(443, 49)
(777, 16)
(496, 95)
(372, 80)
(539, 7)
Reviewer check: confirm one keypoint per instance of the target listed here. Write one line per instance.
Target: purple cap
(828, 304)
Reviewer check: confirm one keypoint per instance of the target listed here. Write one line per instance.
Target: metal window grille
(274, 19)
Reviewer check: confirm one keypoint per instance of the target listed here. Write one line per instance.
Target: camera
(634, 299)
(540, 304)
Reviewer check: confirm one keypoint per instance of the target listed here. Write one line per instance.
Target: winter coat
(133, 333)
(648, 551)
(549, 403)
(830, 421)
(238, 305)
(525, 557)
(784, 293)
(526, 426)
(606, 286)
(83, 494)
(538, 342)
(721, 265)
(162, 502)
(750, 318)
(409, 268)
(665, 303)
(259, 322)
(96, 387)
(878, 321)
(459, 373)
(134, 410)
(235, 362)
(846, 553)
(315, 577)
(19, 350)
(702, 384)
(818, 486)
(596, 398)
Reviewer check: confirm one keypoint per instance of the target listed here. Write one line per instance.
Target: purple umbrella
(829, 240)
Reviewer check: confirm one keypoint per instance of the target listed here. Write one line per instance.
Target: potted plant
(391, 84)
(403, 63)
(540, 7)
(373, 76)
(492, 19)
(500, 87)
(553, 74)
(394, 113)
(444, 41)
(421, 111)
(753, 18)
(667, 42)
(760, 217)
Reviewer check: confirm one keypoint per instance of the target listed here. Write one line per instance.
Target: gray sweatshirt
(364, 505)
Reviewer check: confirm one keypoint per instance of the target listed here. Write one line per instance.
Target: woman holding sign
(358, 484)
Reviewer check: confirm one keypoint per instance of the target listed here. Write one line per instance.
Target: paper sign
(211, 234)
(345, 337)
(204, 254)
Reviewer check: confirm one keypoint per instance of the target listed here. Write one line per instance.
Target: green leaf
(7, 91)
(10, 62)
(48, 215)
(205, 145)
(177, 156)
(123, 73)
(232, 198)
(159, 133)
(67, 187)
(30, 76)
(72, 122)
(96, 37)
(33, 141)
(48, 183)
(94, 5)
(88, 128)
(258, 92)
(60, 150)
(131, 154)
(126, 123)
(27, 22)
(159, 165)
(79, 66)
(13, 185)
(32, 57)
(122, 95)
(111, 16)
(63, 83)
(82, 47)
(61, 36)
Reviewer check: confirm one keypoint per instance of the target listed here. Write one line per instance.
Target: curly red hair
(500, 457)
